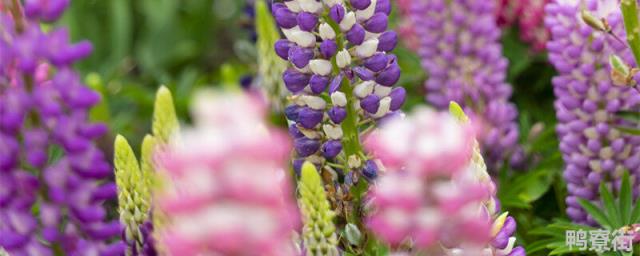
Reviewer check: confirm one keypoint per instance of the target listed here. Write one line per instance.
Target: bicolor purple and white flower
(226, 189)
(341, 72)
(48, 156)
(461, 52)
(593, 150)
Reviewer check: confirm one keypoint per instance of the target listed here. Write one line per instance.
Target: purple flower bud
(337, 13)
(518, 251)
(297, 165)
(294, 80)
(398, 96)
(291, 112)
(285, 18)
(275, 6)
(309, 118)
(282, 48)
(377, 62)
(47, 10)
(295, 132)
(370, 103)
(306, 147)
(356, 34)
(328, 48)
(387, 41)
(331, 148)
(377, 23)
(337, 114)
(335, 83)
(360, 4)
(318, 83)
(389, 75)
(383, 6)
(300, 56)
(307, 21)
(501, 240)
(364, 73)
(370, 170)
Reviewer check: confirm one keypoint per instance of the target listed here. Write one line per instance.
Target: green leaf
(457, 112)
(635, 214)
(596, 213)
(628, 130)
(625, 200)
(353, 234)
(632, 116)
(610, 206)
(100, 112)
(165, 123)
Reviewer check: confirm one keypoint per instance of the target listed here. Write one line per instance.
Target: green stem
(629, 10)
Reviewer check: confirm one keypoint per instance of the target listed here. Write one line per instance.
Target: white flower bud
(332, 132)
(309, 133)
(320, 66)
(385, 105)
(365, 14)
(339, 99)
(382, 91)
(294, 6)
(311, 6)
(343, 58)
(331, 3)
(368, 35)
(367, 48)
(326, 32)
(348, 21)
(314, 102)
(363, 89)
(303, 38)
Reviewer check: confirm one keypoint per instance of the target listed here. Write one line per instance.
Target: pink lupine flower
(227, 192)
(425, 196)
(528, 15)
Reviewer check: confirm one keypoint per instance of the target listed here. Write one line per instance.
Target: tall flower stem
(632, 26)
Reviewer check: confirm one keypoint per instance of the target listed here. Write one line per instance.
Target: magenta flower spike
(226, 190)
(461, 52)
(593, 150)
(528, 16)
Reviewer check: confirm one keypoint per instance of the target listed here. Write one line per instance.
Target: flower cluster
(424, 196)
(341, 74)
(435, 173)
(319, 232)
(460, 49)
(594, 151)
(529, 16)
(48, 158)
(226, 192)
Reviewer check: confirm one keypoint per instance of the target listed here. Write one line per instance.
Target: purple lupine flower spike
(43, 108)
(330, 42)
(461, 51)
(593, 149)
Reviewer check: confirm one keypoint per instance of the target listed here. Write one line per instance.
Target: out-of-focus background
(187, 44)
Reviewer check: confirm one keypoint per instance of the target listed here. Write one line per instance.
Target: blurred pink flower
(529, 17)
(426, 196)
(227, 192)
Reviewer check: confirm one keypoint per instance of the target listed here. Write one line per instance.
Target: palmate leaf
(625, 199)
(555, 240)
(610, 207)
(595, 212)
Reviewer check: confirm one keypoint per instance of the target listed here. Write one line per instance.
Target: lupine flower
(270, 66)
(593, 150)
(225, 189)
(134, 196)
(319, 237)
(424, 196)
(406, 27)
(55, 167)
(460, 49)
(529, 16)
(338, 51)
(135, 180)
(503, 226)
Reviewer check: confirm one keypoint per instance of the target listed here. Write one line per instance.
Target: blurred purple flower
(593, 150)
(48, 158)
